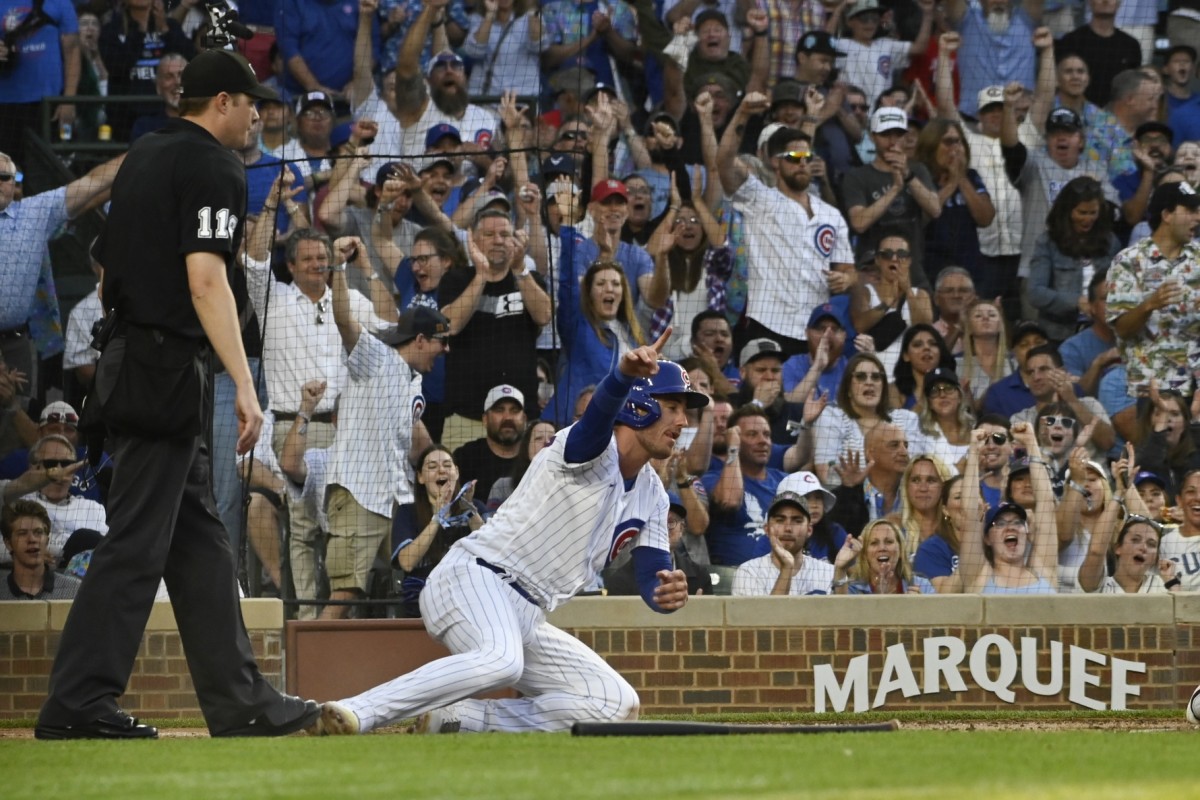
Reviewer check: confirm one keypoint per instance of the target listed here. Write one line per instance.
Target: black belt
(325, 417)
(509, 579)
(19, 332)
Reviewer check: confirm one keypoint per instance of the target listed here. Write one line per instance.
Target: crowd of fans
(936, 264)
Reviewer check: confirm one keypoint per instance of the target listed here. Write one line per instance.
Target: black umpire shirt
(179, 191)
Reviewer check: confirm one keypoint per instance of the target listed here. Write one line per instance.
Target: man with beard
(490, 458)
(799, 245)
(995, 45)
(786, 570)
(1151, 152)
(839, 129)
(1105, 48)
(421, 101)
(496, 311)
(166, 83)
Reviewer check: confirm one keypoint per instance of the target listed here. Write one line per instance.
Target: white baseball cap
(805, 483)
(768, 132)
(503, 392)
(889, 119)
(989, 96)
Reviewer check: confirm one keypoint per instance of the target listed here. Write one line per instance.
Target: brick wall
(160, 686)
(718, 654)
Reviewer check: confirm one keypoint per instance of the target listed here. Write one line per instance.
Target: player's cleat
(1193, 707)
(335, 720)
(440, 720)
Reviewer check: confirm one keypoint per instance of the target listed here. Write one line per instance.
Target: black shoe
(117, 725)
(296, 715)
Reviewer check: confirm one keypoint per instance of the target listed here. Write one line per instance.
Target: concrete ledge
(837, 611)
(631, 612)
(1080, 610)
(1187, 607)
(17, 615)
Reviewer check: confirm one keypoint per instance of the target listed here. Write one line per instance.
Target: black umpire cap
(216, 71)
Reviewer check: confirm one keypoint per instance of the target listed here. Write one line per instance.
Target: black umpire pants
(163, 523)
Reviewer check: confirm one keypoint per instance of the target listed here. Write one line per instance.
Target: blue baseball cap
(826, 310)
(676, 504)
(439, 132)
(1146, 475)
(996, 511)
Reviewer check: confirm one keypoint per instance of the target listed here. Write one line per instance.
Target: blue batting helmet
(641, 410)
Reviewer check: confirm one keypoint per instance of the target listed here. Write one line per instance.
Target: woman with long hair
(985, 349)
(921, 513)
(937, 556)
(883, 303)
(946, 419)
(922, 350)
(1078, 243)
(1167, 440)
(1183, 544)
(882, 565)
(505, 42)
(1080, 514)
(424, 530)
(998, 558)
(598, 324)
(862, 403)
(538, 434)
(953, 238)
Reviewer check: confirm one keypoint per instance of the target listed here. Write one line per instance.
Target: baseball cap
(1180, 48)
(989, 96)
(432, 161)
(439, 132)
(805, 483)
(1153, 126)
(1063, 119)
(1147, 476)
(503, 392)
(414, 322)
(59, 412)
(787, 91)
(600, 86)
(388, 170)
(442, 59)
(861, 7)
(1025, 328)
(992, 513)
(493, 196)
(706, 15)
(768, 132)
(577, 80)
(675, 504)
(940, 375)
(825, 310)
(216, 71)
(756, 348)
(888, 119)
(558, 164)
(606, 189)
(720, 79)
(1170, 196)
(310, 99)
(818, 42)
(795, 498)
(282, 96)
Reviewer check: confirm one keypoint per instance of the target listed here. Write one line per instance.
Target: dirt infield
(1130, 725)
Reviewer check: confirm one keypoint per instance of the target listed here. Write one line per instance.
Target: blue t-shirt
(735, 538)
(1079, 351)
(39, 69)
(1185, 122)
(935, 558)
(820, 551)
(322, 33)
(796, 367)
(859, 587)
(259, 177)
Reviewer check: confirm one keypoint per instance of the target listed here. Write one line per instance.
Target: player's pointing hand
(643, 361)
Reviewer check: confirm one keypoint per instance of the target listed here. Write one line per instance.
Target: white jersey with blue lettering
(566, 521)
(1185, 552)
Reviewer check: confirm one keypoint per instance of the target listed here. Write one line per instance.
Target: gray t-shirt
(862, 186)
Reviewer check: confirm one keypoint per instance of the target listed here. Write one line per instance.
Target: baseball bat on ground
(667, 728)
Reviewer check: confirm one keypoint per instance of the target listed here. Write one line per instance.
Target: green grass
(917, 764)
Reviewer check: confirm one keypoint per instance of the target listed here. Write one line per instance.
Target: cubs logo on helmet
(641, 410)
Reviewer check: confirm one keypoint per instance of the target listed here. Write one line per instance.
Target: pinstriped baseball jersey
(565, 522)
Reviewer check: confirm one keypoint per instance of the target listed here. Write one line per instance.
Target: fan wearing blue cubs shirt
(588, 494)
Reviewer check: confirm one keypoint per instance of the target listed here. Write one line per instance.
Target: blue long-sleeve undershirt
(647, 563)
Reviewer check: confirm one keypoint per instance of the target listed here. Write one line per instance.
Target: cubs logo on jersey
(824, 238)
(623, 536)
(418, 407)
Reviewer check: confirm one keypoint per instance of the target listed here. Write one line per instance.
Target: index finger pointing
(661, 342)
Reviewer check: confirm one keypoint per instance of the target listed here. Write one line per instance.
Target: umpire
(175, 227)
